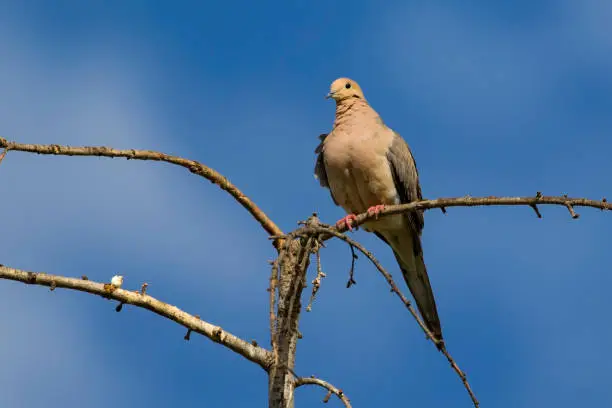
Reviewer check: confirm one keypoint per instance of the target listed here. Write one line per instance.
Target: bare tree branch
(382, 270)
(351, 280)
(330, 388)
(326, 232)
(274, 277)
(316, 282)
(294, 258)
(192, 165)
(288, 271)
(468, 201)
(323, 230)
(255, 354)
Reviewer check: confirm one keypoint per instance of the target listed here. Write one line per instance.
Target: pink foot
(376, 209)
(346, 220)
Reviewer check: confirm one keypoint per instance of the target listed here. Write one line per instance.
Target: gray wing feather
(406, 178)
(319, 170)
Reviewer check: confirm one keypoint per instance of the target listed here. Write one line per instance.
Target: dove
(366, 166)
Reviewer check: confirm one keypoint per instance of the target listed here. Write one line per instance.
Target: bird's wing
(319, 171)
(406, 243)
(406, 178)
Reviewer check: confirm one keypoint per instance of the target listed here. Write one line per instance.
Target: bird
(366, 165)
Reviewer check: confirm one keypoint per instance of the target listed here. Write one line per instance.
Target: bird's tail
(410, 259)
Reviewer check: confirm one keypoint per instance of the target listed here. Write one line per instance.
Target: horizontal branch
(253, 353)
(325, 232)
(330, 388)
(192, 165)
(468, 201)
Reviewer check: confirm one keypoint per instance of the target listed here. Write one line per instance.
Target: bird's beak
(329, 95)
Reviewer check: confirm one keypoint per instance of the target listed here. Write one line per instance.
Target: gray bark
(294, 262)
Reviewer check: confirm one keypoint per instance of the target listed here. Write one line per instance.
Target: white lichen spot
(117, 281)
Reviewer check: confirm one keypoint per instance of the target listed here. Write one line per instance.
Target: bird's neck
(351, 109)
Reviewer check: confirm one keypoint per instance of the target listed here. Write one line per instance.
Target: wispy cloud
(502, 94)
(95, 100)
(98, 216)
(487, 69)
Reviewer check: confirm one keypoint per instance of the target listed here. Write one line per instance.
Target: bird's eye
(348, 85)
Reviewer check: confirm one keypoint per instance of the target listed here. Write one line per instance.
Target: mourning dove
(366, 165)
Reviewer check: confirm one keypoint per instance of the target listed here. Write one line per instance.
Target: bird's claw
(376, 209)
(347, 221)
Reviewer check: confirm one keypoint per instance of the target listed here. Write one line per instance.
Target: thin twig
(316, 282)
(188, 334)
(351, 280)
(387, 277)
(311, 241)
(573, 213)
(255, 354)
(468, 201)
(321, 383)
(535, 208)
(461, 375)
(192, 165)
(439, 343)
(3, 154)
(327, 397)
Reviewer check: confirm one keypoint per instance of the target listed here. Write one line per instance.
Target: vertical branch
(272, 289)
(293, 262)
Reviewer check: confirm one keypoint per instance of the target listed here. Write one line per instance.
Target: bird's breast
(358, 171)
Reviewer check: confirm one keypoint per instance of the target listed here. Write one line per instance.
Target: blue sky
(495, 99)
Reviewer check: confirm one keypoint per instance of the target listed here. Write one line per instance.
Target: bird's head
(345, 88)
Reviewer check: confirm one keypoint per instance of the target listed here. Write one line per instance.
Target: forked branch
(279, 365)
(323, 230)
